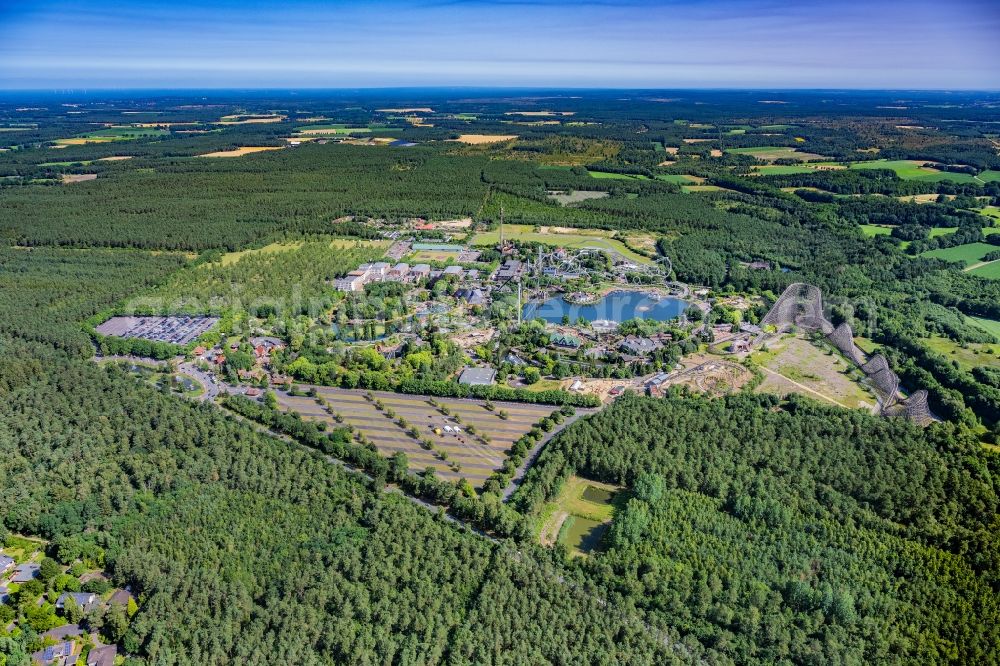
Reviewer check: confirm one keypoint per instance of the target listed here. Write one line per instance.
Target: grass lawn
(969, 254)
(570, 240)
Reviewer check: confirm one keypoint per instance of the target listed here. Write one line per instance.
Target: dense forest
(881, 546)
(755, 530)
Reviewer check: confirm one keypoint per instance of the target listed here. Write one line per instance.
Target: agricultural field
(989, 270)
(580, 515)
(969, 254)
(787, 169)
(573, 239)
(609, 175)
(680, 179)
(455, 455)
(772, 153)
(333, 128)
(241, 151)
(793, 364)
(476, 139)
(914, 170)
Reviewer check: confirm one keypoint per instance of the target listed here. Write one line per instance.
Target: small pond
(584, 534)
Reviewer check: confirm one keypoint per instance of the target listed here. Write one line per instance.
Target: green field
(872, 230)
(969, 254)
(968, 356)
(575, 241)
(787, 169)
(912, 170)
(990, 271)
(617, 176)
(988, 325)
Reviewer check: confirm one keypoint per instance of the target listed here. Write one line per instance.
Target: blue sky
(549, 43)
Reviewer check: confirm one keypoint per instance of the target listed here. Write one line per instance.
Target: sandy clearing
(408, 109)
(666, 163)
(114, 158)
(671, 150)
(696, 140)
(241, 151)
(715, 152)
(484, 138)
(70, 178)
(240, 120)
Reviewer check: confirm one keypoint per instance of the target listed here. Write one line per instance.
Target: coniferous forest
(750, 528)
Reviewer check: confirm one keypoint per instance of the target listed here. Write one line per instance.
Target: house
(252, 392)
(637, 346)
(64, 632)
(25, 572)
(6, 564)
(60, 654)
(120, 598)
(750, 328)
(199, 351)
(457, 271)
(477, 376)
(85, 600)
(473, 274)
(565, 340)
(4, 595)
(102, 656)
(420, 271)
(471, 296)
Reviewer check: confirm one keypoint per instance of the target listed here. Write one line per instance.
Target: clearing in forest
(554, 236)
(967, 355)
(772, 153)
(240, 152)
(969, 254)
(580, 515)
(476, 139)
(793, 364)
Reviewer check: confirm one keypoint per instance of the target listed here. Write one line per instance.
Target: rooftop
(477, 376)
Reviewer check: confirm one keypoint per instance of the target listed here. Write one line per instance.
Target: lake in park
(617, 306)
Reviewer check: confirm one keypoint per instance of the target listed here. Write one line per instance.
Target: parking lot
(176, 330)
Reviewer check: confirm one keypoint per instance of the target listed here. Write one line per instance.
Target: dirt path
(978, 264)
